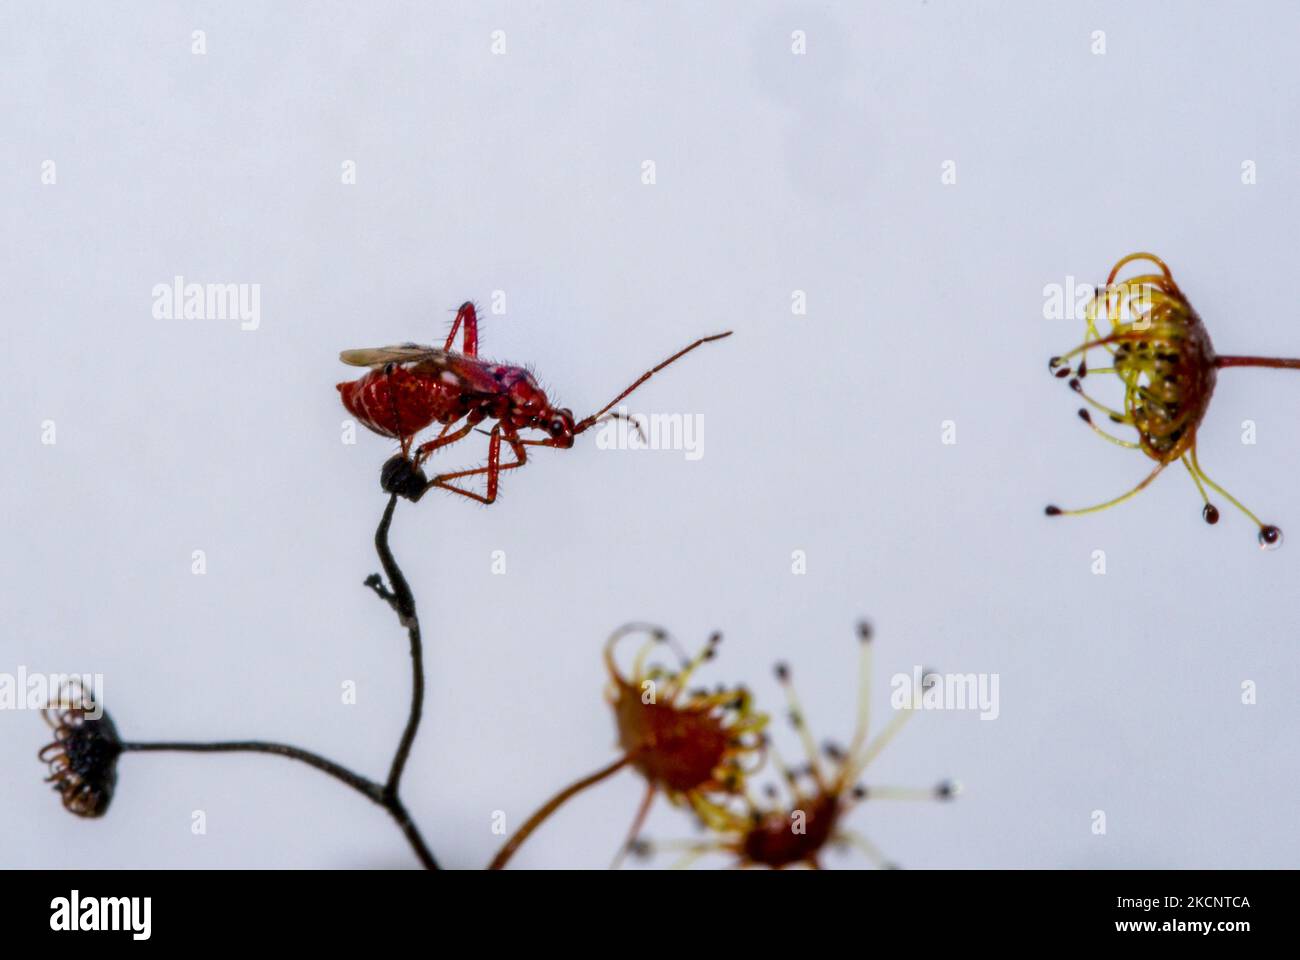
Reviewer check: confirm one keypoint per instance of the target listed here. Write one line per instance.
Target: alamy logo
(179, 300)
(655, 431)
(74, 913)
(1127, 301)
(927, 690)
(43, 691)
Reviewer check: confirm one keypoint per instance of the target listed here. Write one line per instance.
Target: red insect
(410, 386)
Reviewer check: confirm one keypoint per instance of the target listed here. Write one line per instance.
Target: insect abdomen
(399, 404)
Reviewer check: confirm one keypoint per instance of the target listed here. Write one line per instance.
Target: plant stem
(411, 832)
(533, 822)
(1274, 362)
(398, 596)
(402, 601)
(369, 788)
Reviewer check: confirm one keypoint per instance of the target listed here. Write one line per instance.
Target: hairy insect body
(410, 387)
(404, 400)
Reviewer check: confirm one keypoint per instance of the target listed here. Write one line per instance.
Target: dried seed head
(82, 760)
(402, 477)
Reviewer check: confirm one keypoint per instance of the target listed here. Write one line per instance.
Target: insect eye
(557, 426)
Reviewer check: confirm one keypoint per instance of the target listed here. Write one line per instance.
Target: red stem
(1274, 362)
(535, 821)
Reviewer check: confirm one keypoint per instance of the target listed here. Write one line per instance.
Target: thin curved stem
(368, 788)
(548, 808)
(400, 598)
(412, 833)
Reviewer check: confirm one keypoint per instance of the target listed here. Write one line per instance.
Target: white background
(522, 173)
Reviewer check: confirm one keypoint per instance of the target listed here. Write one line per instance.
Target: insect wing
(402, 353)
(451, 369)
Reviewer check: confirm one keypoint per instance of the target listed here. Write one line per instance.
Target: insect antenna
(588, 422)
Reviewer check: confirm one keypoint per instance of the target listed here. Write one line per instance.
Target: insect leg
(493, 468)
(609, 415)
(469, 318)
(424, 450)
